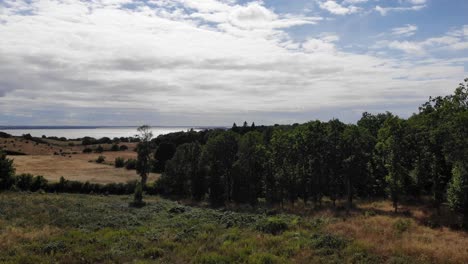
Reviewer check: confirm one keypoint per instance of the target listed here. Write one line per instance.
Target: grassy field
(78, 167)
(64, 228)
(72, 164)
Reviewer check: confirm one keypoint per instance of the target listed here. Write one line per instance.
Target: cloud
(416, 2)
(337, 9)
(385, 10)
(407, 30)
(453, 40)
(407, 47)
(354, 1)
(205, 62)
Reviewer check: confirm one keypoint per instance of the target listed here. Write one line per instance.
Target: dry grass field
(72, 164)
(77, 167)
(375, 227)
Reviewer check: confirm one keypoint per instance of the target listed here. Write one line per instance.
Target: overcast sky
(215, 62)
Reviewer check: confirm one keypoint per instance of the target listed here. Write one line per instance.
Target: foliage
(100, 159)
(119, 162)
(7, 172)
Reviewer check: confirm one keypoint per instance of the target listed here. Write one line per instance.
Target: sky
(215, 62)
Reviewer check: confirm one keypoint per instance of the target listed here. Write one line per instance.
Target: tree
(181, 176)
(164, 152)
(394, 150)
(7, 172)
(357, 149)
(457, 192)
(219, 156)
(143, 164)
(334, 159)
(249, 168)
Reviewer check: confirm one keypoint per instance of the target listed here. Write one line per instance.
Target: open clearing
(78, 167)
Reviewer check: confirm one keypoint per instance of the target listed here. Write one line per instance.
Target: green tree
(219, 155)
(143, 162)
(182, 173)
(393, 147)
(357, 150)
(7, 172)
(249, 168)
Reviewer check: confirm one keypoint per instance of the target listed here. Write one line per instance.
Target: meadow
(69, 161)
(73, 228)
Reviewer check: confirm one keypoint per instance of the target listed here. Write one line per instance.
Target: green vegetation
(119, 162)
(382, 156)
(70, 228)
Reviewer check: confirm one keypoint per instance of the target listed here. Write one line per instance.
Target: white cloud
(354, 1)
(190, 60)
(453, 40)
(337, 9)
(384, 10)
(416, 2)
(407, 30)
(407, 47)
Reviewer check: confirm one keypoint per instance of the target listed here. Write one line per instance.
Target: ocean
(95, 132)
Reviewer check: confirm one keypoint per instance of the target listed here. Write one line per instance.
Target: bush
(38, 183)
(272, 225)
(24, 181)
(115, 147)
(87, 150)
(100, 159)
(402, 225)
(328, 242)
(138, 196)
(99, 149)
(212, 258)
(130, 164)
(119, 162)
(153, 253)
(123, 148)
(7, 172)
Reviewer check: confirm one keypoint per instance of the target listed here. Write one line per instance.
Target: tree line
(382, 155)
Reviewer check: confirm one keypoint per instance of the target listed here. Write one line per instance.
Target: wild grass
(66, 228)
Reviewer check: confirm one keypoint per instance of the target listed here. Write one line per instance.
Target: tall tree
(357, 150)
(394, 149)
(144, 151)
(219, 156)
(249, 168)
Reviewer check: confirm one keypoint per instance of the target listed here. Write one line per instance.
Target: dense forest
(382, 155)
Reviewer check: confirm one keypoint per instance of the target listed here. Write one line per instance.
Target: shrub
(99, 149)
(123, 147)
(7, 172)
(38, 183)
(402, 225)
(24, 181)
(272, 225)
(115, 147)
(327, 241)
(87, 150)
(212, 258)
(153, 253)
(100, 159)
(138, 196)
(119, 162)
(130, 164)
(263, 258)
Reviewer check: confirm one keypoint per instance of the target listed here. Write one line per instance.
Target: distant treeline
(380, 156)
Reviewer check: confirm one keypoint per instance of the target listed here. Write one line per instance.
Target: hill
(70, 228)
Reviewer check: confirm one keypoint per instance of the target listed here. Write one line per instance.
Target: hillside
(70, 228)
